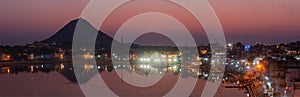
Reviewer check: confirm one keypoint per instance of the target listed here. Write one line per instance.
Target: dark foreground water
(50, 80)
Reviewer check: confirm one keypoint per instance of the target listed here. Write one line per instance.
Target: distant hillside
(65, 34)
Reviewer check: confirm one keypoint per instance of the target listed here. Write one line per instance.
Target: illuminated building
(6, 57)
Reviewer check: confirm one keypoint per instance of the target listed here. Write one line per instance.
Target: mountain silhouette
(65, 34)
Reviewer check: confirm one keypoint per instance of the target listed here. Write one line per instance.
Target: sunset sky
(248, 21)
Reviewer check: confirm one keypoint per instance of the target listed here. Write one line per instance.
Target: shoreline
(34, 62)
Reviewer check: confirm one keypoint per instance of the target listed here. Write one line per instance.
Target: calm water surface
(58, 80)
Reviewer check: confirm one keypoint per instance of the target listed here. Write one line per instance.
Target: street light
(259, 66)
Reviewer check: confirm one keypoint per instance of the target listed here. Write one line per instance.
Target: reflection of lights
(62, 66)
(284, 91)
(31, 68)
(145, 66)
(88, 67)
(31, 56)
(61, 56)
(8, 70)
(157, 60)
(148, 66)
(88, 56)
(145, 59)
(106, 68)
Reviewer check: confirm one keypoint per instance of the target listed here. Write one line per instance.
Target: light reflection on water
(59, 79)
(142, 69)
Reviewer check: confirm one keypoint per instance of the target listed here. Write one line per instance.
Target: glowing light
(148, 66)
(269, 84)
(98, 56)
(175, 60)
(6, 57)
(62, 66)
(88, 56)
(230, 45)
(174, 67)
(61, 56)
(247, 47)
(266, 78)
(248, 67)
(205, 59)
(88, 67)
(206, 75)
(203, 51)
(259, 66)
(31, 56)
(31, 68)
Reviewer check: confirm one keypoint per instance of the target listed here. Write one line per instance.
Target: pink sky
(249, 21)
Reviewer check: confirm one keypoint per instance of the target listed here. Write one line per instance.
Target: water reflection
(88, 71)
